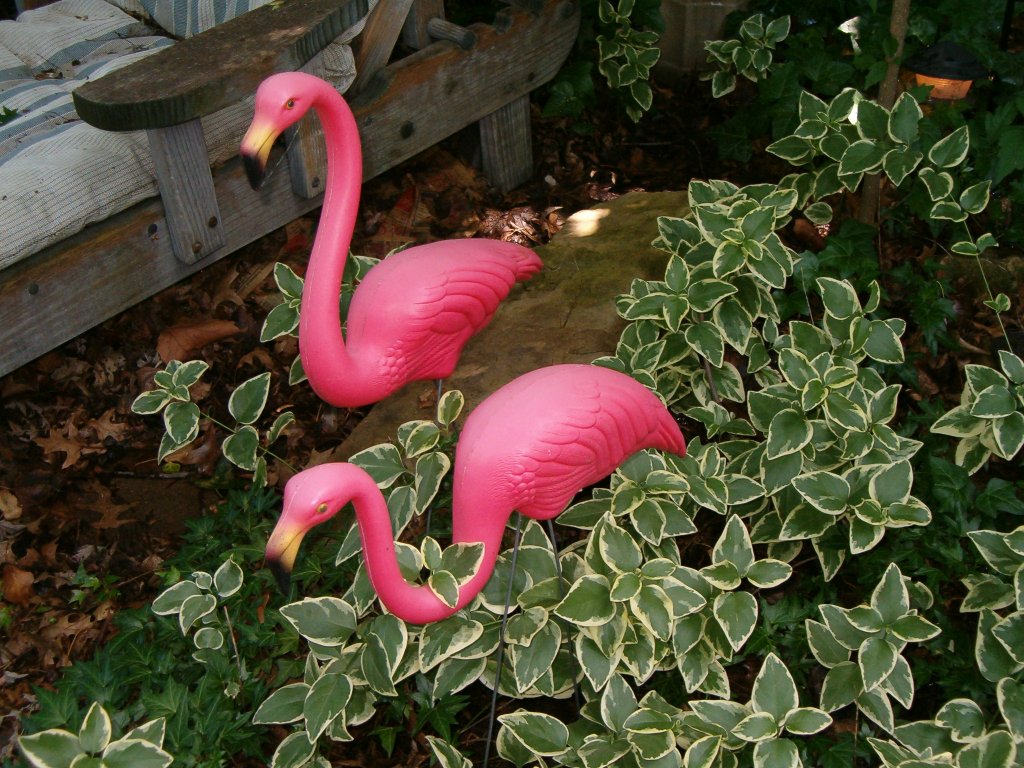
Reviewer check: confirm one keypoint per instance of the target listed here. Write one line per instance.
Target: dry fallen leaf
(17, 585)
(55, 442)
(10, 509)
(180, 342)
(105, 426)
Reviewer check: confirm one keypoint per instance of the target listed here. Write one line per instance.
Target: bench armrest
(219, 67)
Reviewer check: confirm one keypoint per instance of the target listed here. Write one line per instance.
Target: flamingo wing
(416, 310)
(556, 430)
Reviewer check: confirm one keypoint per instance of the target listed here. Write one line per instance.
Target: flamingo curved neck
(416, 604)
(334, 375)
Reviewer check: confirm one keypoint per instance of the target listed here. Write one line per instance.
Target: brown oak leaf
(17, 585)
(180, 342)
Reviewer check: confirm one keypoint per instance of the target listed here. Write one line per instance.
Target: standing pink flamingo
(412, 314)
(530, 446)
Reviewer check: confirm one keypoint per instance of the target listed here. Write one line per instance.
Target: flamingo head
(312, 497)
(281, 101)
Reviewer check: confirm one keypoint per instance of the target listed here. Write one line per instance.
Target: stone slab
(566, 314)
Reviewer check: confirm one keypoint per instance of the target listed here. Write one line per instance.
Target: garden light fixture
(949, 69)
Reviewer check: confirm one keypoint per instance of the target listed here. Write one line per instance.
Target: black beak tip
(282, 575)
(254, 171)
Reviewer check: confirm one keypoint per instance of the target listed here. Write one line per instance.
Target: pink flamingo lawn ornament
(531, 446)
(412, 314)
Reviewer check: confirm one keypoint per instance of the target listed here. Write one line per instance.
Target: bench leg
(505, 146)
(183, 176)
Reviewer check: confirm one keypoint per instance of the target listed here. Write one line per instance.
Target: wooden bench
(483, 73)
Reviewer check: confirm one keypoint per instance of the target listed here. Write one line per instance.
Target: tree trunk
(886, 97)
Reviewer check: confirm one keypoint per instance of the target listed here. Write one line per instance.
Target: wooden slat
(183, 176)
(505, 144)
(373, 47)
(429, 95)
(201, 74)
(415, 34)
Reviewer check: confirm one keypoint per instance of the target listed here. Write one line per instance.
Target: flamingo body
(531, 446)
(414, 312)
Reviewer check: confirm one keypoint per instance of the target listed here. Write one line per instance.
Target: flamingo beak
(255, 150)
(282, 549)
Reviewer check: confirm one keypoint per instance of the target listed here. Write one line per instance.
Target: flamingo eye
(290, 104)
(322, 508)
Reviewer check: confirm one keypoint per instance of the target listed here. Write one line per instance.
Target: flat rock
(566, 314)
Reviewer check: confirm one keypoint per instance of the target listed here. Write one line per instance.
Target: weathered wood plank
(201, 74)
(432, 93)
(415, 34)
(506, 149)
(183, 176)
(373, 47)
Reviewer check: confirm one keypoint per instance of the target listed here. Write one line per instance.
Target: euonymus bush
(801, 479)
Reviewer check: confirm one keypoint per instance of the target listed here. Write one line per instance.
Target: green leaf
(194, 608)
(974, 199)
(891, 484)
(736, 613)
(1009, 434)
(1001, 303)
(877, 658)
(872, 121)
(417, 437)
(241, 448)
(734, 546)
(768, 573)
(293, 752)
(227, 579)
(151, 402)
(842, 686)
(774, 690)
(617, 703)
(788, 432)
(181, 420)
(449, 407)
(904, 119)
(431, 469)
(326, 621)
(443, 639)
(542, 734)
(951, 150)
(282, 320)
(993, 403)
(1012, 366)
(249, 399)
(900, 162)
(382, 462)
(824, 490)
(703, 295)
(776, 753)
(588, 602)
(170, 600)
(132, 753)
(826, 649)
(862, 156)
(94, 735)
(446, 754)
(327, 698)
(839, 297)
(757, 727)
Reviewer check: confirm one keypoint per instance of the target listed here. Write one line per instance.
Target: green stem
(988, 290)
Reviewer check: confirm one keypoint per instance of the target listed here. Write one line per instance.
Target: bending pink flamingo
(412, 314)
(530, 446)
